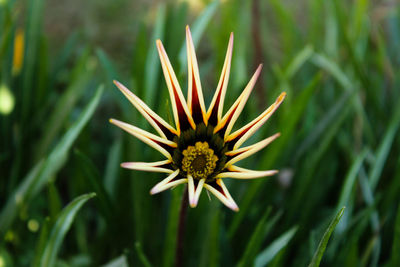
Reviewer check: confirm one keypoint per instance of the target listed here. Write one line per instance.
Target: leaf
(94, 182)
(350, 179)
(324, 241)
(331, 67)
(33, 29)
(82, 73)
(347, 189)
(395, 258)
(41, 243)
(152, 66)
(172, 228)
(142, 257)
(112, 168)
(268, 159)
(108, 66)
(274, 248)
(255, 241)
(47, 168)
(298, 61)
(121, 261)
(60, 229)
(384, 148)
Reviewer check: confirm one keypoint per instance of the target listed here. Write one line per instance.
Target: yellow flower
(202, 149)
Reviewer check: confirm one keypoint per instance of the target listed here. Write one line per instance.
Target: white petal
(156, 121)
(166, 183)
(179, 106)
(149, 138)
(194, 193)
(195, 94)
(233, 113)
(236, 172)
(217, 103)
(245, 152)
(248, 130)
(224, 197)
(148, 166)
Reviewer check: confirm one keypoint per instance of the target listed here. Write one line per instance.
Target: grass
(337, 60)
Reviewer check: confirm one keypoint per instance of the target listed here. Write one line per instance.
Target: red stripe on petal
(217, 187)
(197, 113)
(214, 112)
(222, 128)
(213, 119)
(184, 123)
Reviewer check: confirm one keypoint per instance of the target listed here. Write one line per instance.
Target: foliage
(339, 63)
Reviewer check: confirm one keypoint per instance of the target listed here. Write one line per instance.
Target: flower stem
(180, 237)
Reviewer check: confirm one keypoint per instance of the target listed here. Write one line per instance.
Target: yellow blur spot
(33, 225)
(2, 261)
(7, 100)
(9, 236)
(3, 3)
(195, 5)
(18, 58)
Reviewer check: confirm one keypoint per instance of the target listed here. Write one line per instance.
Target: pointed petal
(167, 183)
(219, 190)
(191, 189)
(233, 113)
(244, 152)
(183, 119)
(214, 112)
(158, 166)
(241, 135)
(194, 190)
(162, 127)
(152, 140)
(195, 94)
(236, 172)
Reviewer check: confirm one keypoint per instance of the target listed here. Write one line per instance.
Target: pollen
(199, 160)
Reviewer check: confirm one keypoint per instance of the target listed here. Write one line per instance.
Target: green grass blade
(172, 228)
(384, 148)
(268, 159)
(290, 121)
(142, 257)
(369, 199)
(347, 189)
(395, 258)
(112, 168)
(33, 28)
(255, 241)
(211, 247)
(41, 243)
(94, 182)
(324, 241)
(322, 127)
(60, 229)
(268, 254)
(46, 168)
(111, 73)
(121, 261)
(331, 67)
(152, 62)
(350, 179)
(81, 75)
(298, 61)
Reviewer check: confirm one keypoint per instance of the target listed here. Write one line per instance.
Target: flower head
(201, 150)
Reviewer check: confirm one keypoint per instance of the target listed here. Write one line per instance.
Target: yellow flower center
(199, 160)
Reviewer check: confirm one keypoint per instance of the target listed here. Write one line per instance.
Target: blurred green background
(338, 61)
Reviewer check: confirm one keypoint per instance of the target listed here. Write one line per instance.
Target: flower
(201, 150)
